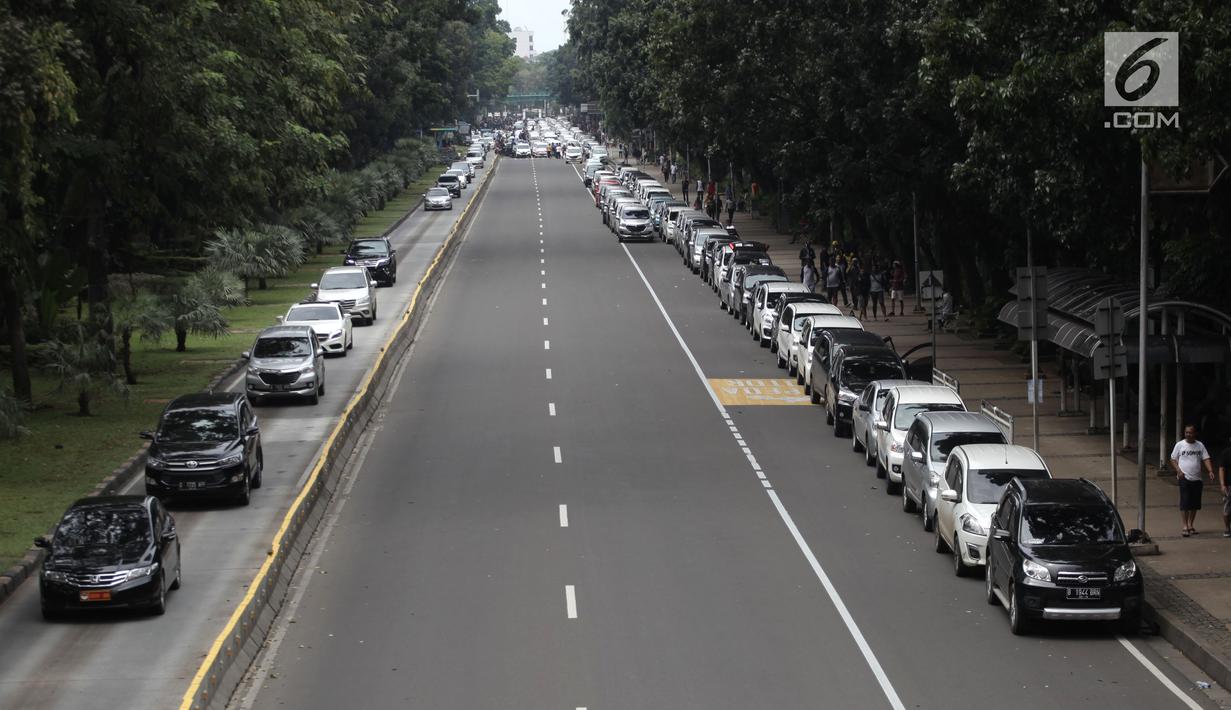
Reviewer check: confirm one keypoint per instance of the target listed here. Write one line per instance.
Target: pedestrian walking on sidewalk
(674, 168)
(730, 212)
(754, 198)
(1188, 458)
(833, 282)
(684, 183)
(809, 278)
(897, 288)
(878, 281)
(807, 257)
(1224, 478)
(863, 285)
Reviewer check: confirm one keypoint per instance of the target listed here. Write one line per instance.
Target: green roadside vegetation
(64, 456)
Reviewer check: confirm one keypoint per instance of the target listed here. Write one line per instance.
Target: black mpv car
(1057, 551)
(207, 444)
(378, 255)
(110, 552)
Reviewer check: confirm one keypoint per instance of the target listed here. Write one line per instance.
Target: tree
(196, 307)
(267, 251)
(135, 311)
(84, 365)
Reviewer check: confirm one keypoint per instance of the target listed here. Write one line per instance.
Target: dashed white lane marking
(540, 241)
(549, 373)
(551, 409)
(852, 627)
(544, 301)
(542, 272)
(563, 515)
(542, 284)
(547, 345)
(542, 261)
(544, 320)
(555, 454)
(570, 601)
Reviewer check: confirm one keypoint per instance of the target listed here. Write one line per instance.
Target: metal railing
(944, 378)
(998, 415)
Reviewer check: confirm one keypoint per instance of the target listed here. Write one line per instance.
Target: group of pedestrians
(859, 282)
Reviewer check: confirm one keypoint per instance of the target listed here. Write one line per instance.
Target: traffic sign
(1110, 358)
(1032, 320)
(931, 284)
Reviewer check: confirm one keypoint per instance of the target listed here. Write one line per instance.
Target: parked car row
(124, 551)
(1051, 549)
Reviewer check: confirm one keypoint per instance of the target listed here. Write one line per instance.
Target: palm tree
(196, 307)
(84, 364)
(135, 312)
(265, 252)
(317, 226)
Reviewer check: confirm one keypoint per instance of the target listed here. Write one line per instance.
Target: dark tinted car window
(375, 247)
(986, 485)
(186, 425)
(126, 528)
(857, 372)
(943, 443)
(1056, 524)
(282, 347)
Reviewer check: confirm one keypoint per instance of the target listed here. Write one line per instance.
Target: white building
(525, 42)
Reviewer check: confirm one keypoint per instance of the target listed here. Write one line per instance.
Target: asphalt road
(555, 511)
(128, 660)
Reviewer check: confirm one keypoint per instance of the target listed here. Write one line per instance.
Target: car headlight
(895, 447)
(1034, 570)
(231, 460)
(1125, 572)
(972, 526)
(362, 300)
(307, 370)
(140, 572)
(156, 463)
(52, 575)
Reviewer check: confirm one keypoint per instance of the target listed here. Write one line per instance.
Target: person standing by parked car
(1188, 458)
(833, 282)
(877, 282)
(897, 288)
(807, 257)
(684, 183)
(863, 285)
(809, 278)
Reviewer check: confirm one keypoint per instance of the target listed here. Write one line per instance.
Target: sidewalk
(1187, 587)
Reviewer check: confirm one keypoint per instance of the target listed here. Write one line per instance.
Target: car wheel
(344, 352)
(807, 386)
(989, 588)
(723, 305)
(908, 505)
(51, 614)
(959, 567)
(828, 416)
(159, 606)
(891, 488)
(856, 445)
(1130, 623)
(260, 470)
(799, 375)
(179, 576)
(781, 363)
(841, 429)
(880, 469)
(244, 497)
(1017, 621)
(373, 318)
(315, 398)
(929, 522)
(939, 543)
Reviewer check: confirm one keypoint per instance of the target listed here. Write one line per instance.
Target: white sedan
(331, 326)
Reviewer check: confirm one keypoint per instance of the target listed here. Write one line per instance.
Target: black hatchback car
(378, 255)
(110, 552)
(853, 367)
(1057, 551)
(206, 444)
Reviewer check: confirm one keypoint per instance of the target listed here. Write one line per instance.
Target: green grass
(64, 456)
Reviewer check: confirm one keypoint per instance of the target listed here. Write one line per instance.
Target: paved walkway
(1187, 581)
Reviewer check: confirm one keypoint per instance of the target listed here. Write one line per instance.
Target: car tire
(959, 566)
(856, 445)
(880, 469)
(244, 497)
(869, 458)
(989, 588)
(1018, 624)
(781, 364)
(159, 606)
(257, 480)
(828, 416)
(52, 614)
(799, 376)
(179, 576)
(938, 542)
(908, 505)
(807, 386)
(350, 343)
(315, 399)
(815, 397)
(841, 430)
(344, 351)
(891, 488)
(929, 522)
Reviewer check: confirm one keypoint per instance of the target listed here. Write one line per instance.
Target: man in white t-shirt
(1188, 458)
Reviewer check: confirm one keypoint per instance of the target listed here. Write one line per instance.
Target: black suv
(854, 366)
(107, 552)
(378, 255)
(206, 444)
(1057, 551)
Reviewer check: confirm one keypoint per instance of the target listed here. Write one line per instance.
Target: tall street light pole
(914, 218)
(1143, 321)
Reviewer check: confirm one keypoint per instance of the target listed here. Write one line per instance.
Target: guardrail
(1001, 417)
(944, 378)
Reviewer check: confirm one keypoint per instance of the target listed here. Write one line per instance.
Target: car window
(906, 412)
(275, 346)
(987, 484)
(858, 371)
(126, 528)
(309, 313)
(190, 425)
(1056, 524)
(944, 442)
(953, 476)
(374, 247)
(915, 436)
(866, 398)
(343, 279)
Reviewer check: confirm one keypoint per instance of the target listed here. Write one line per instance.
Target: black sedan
(110, 552)
(206, 444)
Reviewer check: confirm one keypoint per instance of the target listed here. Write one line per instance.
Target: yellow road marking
(215, 649)
(759, 392)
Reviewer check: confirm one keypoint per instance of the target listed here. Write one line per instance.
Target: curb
(1180, 635)
(239, 642)
(120, 477)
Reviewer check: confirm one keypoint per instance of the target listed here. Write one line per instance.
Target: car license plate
(1083, 593)
(188, 485)
(280, 388)
(95, 596)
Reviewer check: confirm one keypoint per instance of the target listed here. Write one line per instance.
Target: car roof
(784, 287)
(959, 421)
(869, 350)
(826, 320)
(345, 269)
(357, 240)
(318, 302)
(204, 400)
(979, 456)
(815, 308)
(1061, 490)
(924, 393)
(886, 385)
(134, 501)
(848, 337)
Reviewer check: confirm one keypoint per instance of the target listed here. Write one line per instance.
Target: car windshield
(343, 279)
(282, 347)
(636, 214)
(447, 179)
(944, 442)
(305, 313)
(437, 192)
(857, 372)
(375, 247)
(189, 425)
(984, 486)
(1058, 524)
(125, 527)
(906, 412)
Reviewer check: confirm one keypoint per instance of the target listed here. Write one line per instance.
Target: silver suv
(285, 361)
(352, 287)
(928, 442)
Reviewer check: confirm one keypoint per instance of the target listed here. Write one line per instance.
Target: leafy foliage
(84, 365)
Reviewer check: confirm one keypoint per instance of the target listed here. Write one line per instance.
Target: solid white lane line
(551, 409)
(555, 452)
(547, 345)
(570, 601)
(1158, 674)
(549, 373)
(852, 628)
(563, 515)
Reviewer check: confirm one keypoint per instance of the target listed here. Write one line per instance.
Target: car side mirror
(314, 285)
(951, 496)
(246, 355)
(280, 319)
(371, 283)
(1001, 534)
(882, 425)
(146, 435)
(864, 408)
(916, 456)
(1134, 536)
(43, 542)
(320, 352)
(253, 430)
(169, 534)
